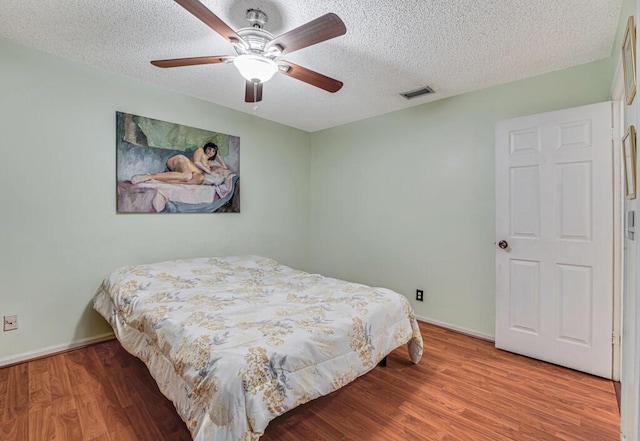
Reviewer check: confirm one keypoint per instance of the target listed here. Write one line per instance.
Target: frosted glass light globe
(255, 67)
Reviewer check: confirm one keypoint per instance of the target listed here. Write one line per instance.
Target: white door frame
(619, 104)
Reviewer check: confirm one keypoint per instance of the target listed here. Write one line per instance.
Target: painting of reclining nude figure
(164, 167)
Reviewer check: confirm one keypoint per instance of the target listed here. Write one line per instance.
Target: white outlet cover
(10, 322)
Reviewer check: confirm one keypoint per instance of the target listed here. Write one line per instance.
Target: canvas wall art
(629, 60)
(163, 167)
(629, 161)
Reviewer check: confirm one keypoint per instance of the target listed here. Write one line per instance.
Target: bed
(235, 342)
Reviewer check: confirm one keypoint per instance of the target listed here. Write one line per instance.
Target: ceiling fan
(258, 51)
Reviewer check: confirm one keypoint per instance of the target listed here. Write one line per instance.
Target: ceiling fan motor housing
(256, 38)
(257, 18)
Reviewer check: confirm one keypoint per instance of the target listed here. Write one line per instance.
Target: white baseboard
(57, 349)
(459, 329)
(52, 350)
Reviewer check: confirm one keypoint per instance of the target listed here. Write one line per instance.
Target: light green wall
(630, 381)
(630, 377)
(406, 200)
(59, 232)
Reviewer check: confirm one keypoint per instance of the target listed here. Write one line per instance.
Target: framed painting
(163, 167)
(629, 60)
(629, 159)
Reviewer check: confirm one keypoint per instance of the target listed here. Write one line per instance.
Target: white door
(554, 216)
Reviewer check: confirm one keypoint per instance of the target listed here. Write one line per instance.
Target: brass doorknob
(503, 244)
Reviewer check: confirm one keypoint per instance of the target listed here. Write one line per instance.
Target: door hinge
(613, 338)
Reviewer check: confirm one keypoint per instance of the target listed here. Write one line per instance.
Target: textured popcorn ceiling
(454, 46)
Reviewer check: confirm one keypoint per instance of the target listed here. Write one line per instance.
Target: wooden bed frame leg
(383, 362)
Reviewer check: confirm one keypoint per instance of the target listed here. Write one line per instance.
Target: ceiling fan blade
(321, 29)
(253, 92)
(178, 62)
(201, 12)
(309, 76)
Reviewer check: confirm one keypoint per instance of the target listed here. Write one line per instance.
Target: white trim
(619, 107)
(65, 347)
(455, 328)
(633, 403)
(56, 349)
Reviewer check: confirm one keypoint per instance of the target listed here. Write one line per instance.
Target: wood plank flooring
(463, 389)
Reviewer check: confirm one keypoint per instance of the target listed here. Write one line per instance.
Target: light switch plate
(630, 227)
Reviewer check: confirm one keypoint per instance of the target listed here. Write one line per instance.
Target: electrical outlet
(10, 322)
(419, 295)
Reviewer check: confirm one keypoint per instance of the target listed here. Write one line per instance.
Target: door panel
(524, 296)
(574, 201)
(576, 299)
(554, 282)
(525, 201)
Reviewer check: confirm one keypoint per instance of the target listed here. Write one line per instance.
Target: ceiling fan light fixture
(258, 49)
(255, 67)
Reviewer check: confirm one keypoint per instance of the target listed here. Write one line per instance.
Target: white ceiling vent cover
(416, 93)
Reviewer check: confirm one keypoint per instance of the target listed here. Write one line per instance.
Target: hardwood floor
(463, 389)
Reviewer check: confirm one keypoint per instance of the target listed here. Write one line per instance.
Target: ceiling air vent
(416, 93)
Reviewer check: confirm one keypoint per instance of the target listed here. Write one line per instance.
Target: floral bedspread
(236, 341)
